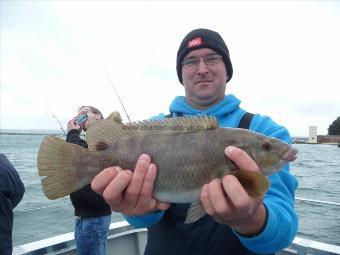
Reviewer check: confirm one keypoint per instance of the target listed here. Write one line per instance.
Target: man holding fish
(236, 223)
(199, 190)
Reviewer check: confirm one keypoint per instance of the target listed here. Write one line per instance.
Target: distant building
(329, 139)
(313, 134)
(315, 138)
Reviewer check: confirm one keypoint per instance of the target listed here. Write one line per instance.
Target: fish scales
(184, 161)
(191, 161)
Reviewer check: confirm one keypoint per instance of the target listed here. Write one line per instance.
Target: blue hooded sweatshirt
(167, 234)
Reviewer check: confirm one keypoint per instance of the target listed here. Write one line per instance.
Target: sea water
(317, 170)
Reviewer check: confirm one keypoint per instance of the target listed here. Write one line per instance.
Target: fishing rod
(116, 92)
(61, 127)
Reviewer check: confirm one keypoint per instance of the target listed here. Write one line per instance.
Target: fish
(188, 153)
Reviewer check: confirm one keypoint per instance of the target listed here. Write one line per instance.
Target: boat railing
(127, 240)
(316, 201)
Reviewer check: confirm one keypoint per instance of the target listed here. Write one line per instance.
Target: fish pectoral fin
(101, 146)
(254, 183)
(195, 212)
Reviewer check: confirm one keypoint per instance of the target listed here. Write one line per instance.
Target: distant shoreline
(316, 143)
(56, 132)
(295, 140)
(23, 133)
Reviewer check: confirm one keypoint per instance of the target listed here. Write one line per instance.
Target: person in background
(93, 214)
(11, 192)
(235, 223)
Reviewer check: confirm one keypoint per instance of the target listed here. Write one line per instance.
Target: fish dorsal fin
(109, 131)
(115, 116)
(103, 133)
(173, 125)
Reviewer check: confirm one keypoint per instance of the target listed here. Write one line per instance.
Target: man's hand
(129, 192)
(71, 125)
(228, 202)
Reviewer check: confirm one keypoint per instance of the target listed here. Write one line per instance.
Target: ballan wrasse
(188, 153)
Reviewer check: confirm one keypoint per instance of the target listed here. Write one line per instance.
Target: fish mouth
(290, 155)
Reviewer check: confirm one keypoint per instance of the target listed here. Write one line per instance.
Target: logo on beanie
(195, 42)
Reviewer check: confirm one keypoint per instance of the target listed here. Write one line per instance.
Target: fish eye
(266, 145)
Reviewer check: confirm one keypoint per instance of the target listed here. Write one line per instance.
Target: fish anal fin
(195, 212)
(254, 183)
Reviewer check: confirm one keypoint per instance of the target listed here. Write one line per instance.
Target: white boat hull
(125, 240)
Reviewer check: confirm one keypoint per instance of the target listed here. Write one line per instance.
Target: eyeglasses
(209, 60)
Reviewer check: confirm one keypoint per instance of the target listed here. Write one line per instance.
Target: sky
(56, 56)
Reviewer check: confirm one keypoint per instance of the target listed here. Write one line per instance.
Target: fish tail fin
(57, 160)
(254, 183)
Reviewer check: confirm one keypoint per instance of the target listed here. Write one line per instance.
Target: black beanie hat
(203, 38)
